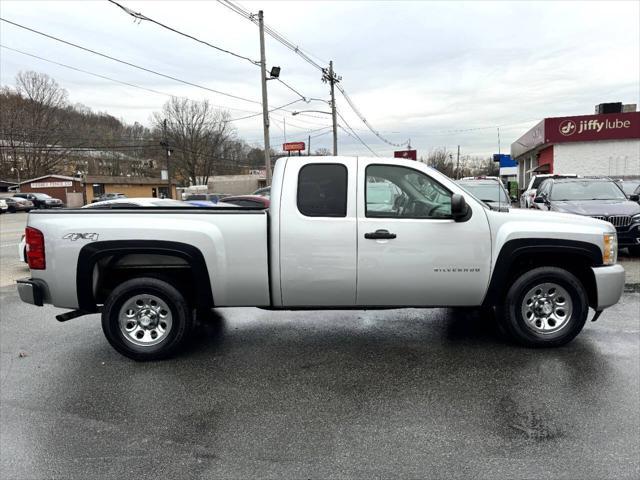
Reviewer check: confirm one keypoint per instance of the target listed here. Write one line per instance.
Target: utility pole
(332, 78)
(265, 105)
(309, 147)
(165, 144)
(458, 164)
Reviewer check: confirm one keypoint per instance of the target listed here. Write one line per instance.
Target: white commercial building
(598, 145)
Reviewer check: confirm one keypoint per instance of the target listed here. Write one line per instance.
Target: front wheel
(545, 307)
(146, 319)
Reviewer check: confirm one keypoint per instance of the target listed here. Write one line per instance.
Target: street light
(310, 111)
(16, 169)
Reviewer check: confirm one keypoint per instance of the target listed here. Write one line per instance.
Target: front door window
(402, 192)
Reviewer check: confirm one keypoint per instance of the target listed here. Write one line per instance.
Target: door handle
(380, 235)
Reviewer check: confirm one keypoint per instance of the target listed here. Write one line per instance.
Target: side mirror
(459, 207)
(634, 198)
(539, 199)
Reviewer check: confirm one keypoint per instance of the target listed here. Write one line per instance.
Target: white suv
(526, 199)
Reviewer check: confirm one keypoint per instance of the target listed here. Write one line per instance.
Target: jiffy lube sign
(613, 126)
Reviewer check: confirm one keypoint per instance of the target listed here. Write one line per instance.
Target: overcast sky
(418, 70)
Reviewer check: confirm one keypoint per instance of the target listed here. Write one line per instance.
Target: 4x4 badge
(81, 236)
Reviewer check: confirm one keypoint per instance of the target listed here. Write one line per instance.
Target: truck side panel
(234, 246)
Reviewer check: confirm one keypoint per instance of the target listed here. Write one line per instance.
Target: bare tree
(197, 133)
(32, 123)
(441, 160)
(323, 152)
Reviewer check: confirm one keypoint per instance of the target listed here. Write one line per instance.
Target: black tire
(523, 332)
(12, 209)
(634, 251)
(181, 322)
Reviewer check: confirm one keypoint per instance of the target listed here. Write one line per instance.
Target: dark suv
(41, 200)
(600, 198)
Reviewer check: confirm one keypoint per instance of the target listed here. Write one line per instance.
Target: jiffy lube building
(600, 144)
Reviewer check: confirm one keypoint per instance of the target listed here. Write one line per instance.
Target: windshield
(586, 191)
(486, 193)
(42, 196)
(537, 181)
(629, 187)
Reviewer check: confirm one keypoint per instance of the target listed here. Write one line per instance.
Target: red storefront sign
(293, 146)
(408, 154)
(585, 128)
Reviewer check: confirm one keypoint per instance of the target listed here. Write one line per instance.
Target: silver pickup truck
(340, 233)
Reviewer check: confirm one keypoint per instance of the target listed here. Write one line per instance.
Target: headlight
(610, 252)
(635, 218)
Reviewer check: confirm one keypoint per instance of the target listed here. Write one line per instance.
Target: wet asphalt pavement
(378, 394)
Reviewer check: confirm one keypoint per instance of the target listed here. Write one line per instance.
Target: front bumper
(31, 291)
(609, 285)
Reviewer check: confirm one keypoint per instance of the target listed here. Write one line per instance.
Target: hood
(498, 206)
(597, 207)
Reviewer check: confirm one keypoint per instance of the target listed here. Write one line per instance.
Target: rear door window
(322, 190)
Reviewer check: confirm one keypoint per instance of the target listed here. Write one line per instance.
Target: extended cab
(330, 239)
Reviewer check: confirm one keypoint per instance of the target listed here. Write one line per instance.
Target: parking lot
(339, 394)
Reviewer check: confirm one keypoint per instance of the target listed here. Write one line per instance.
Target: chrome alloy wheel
(547, 308)
(145, 320)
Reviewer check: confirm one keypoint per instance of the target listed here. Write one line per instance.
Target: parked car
(255, 201)
(17, 204)
(124, 202)
(205, 197)
(630, 187)
(600, 198)
(41, 200)
(318, 247)
(3, 205)
(108, 196)
(263, 192)
(488, 190)
(526, 199)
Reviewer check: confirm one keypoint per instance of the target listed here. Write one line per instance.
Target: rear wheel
(545, 307)
(146, 319)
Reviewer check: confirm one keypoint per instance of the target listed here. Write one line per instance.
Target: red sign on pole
(293, 146)
(408, 154)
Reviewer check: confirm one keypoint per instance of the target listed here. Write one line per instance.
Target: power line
(365, 121)
(355, 134)
(271, 32)
(186, 82)
(104, 77)
(260, 113)
(296, 49)
(140, 16)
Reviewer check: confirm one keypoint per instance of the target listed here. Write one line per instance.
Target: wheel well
(521, 255)
(102, 266)
(577, 264)
(112, 270)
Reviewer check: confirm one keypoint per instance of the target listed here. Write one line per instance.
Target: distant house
(67, 189)
(97, 185)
